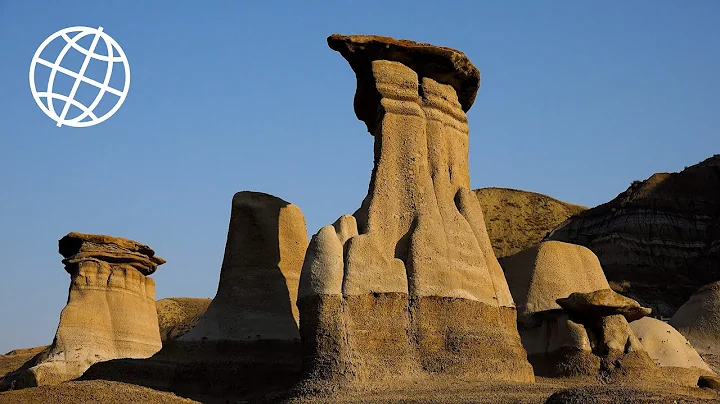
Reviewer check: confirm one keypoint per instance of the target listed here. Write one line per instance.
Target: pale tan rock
(589, 337)
(259, 278)
(110, 312)
(540, 275)
(666, 346)
(699, 319)
(603, 302)
(409, 285)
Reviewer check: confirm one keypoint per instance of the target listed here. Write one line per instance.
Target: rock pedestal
(110, 311)
(259, 278)
(409, 284)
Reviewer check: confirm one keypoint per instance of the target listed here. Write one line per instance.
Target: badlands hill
(518, 219)
(178, 315)
(659, 241)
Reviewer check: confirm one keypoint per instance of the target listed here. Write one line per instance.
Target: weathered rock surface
(660, 238)
(699, 319)
(517, 220)
(603, 302)
(669, 349)
(110, 311)
(593, 338)
(259, 277)
(178, 315)
(551, 270)
(409, 284)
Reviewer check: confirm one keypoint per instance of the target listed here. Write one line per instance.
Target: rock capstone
(603, 302)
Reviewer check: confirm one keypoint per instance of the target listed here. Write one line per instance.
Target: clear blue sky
(578, 99)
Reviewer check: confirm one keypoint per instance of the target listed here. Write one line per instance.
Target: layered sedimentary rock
(669, 349)
(409, 284)
(110, 311)
(517, 220)
(570, 322)
(265, 248)
(699, 319)
(660, 239)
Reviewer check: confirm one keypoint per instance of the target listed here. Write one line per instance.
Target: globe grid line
(78, 33)
(77, 82)
(73, 74)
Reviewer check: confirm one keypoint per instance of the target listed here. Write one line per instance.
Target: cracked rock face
(409, 283)
(110, 312)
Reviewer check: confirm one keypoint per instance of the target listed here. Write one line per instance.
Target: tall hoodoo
(110, 312)
(410, 283)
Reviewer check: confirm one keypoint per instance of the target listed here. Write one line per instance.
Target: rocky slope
(660, 239)
(518, 219)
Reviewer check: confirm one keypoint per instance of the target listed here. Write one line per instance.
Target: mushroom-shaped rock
(603, 302)
(110, 312)
(562, 342)
(408, 286)
(669, 349)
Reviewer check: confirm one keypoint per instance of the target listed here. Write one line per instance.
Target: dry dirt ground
(449, 391)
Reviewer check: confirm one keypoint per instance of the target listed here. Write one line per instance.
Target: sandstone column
(110, 311)
(409, 284)
(256, 296)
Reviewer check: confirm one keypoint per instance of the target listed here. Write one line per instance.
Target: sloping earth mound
(178, 315)
(93, 391)
(13, 360)
(658, 241)
(517, 219)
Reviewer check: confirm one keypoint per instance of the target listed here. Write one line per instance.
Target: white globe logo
(44, 99)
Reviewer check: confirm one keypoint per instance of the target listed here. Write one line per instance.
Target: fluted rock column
(110, 311)
(409, 284)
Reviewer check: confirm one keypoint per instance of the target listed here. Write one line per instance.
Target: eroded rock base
(355, 339)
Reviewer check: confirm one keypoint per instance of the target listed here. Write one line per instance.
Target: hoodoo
(256, 296)
(110, 311)
(408, 286)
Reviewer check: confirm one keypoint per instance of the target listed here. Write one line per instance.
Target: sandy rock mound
(409, 284)
(110, 311)
(699, 319)
(660, 239)
(517, 219)
(256, 296)
(178, 315)
(570, 322)
(669, 349)
(95, 391)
